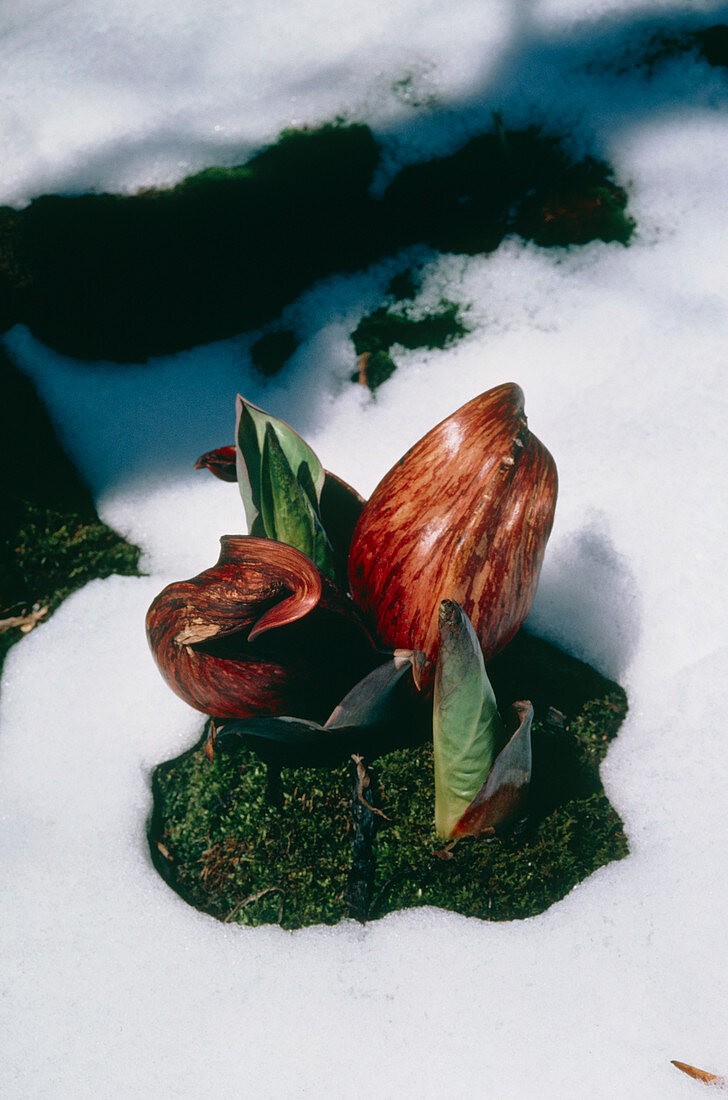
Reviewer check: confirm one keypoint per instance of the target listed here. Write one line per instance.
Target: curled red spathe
(260, 632)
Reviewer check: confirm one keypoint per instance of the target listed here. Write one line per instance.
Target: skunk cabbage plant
(299, 619)
(465, 515)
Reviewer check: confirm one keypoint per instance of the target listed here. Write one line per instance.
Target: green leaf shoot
(286, 510)
(500, 802)
(467, 729)
(250, 433)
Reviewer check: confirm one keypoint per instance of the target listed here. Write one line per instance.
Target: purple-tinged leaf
(466, 728)
(384, 711)
(378, 699)
(500, 802)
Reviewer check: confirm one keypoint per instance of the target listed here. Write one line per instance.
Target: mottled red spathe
(464, 515)
(262, 632)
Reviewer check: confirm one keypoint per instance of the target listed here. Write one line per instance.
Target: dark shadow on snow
(598, 618)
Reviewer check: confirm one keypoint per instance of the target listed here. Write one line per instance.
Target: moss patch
(218, 842)
(404, 285)
(712, 42)
(378, 332)
(238, 858)
(385, 327)
(51, 555)
(125, 277)
(51, 539)
(508, 182)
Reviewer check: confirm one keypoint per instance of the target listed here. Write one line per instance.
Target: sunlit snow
(113, 987)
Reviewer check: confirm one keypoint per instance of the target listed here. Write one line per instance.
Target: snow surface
(113, 987)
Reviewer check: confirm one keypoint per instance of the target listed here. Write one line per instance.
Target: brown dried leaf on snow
(701, 1074)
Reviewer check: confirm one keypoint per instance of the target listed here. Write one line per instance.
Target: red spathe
(465, 515)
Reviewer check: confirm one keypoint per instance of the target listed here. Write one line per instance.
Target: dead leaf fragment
(701, 1074)
(446, 852)
(363, 366)
(209, 745)
(364, 781)
(24, 623)
(197, 631)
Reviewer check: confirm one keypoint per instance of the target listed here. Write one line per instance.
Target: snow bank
(113, 986)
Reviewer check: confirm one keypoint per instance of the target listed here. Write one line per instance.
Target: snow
(113, 987)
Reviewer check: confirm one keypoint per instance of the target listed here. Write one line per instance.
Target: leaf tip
(700, 1074)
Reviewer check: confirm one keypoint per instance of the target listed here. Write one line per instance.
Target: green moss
(218, 842)
(376, 333)
(52, 555)
(383, 328)
(712, 43)
(497, 184)
(502, 879)
(595, 213)
(125, 277)
(233, 855)
(51, 539)
(55, 554)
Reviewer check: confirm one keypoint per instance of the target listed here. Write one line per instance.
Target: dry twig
(24, 623)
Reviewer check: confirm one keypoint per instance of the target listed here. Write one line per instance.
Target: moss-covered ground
(396, 324)
(125, 277)
(52, 542)
(220, 843)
